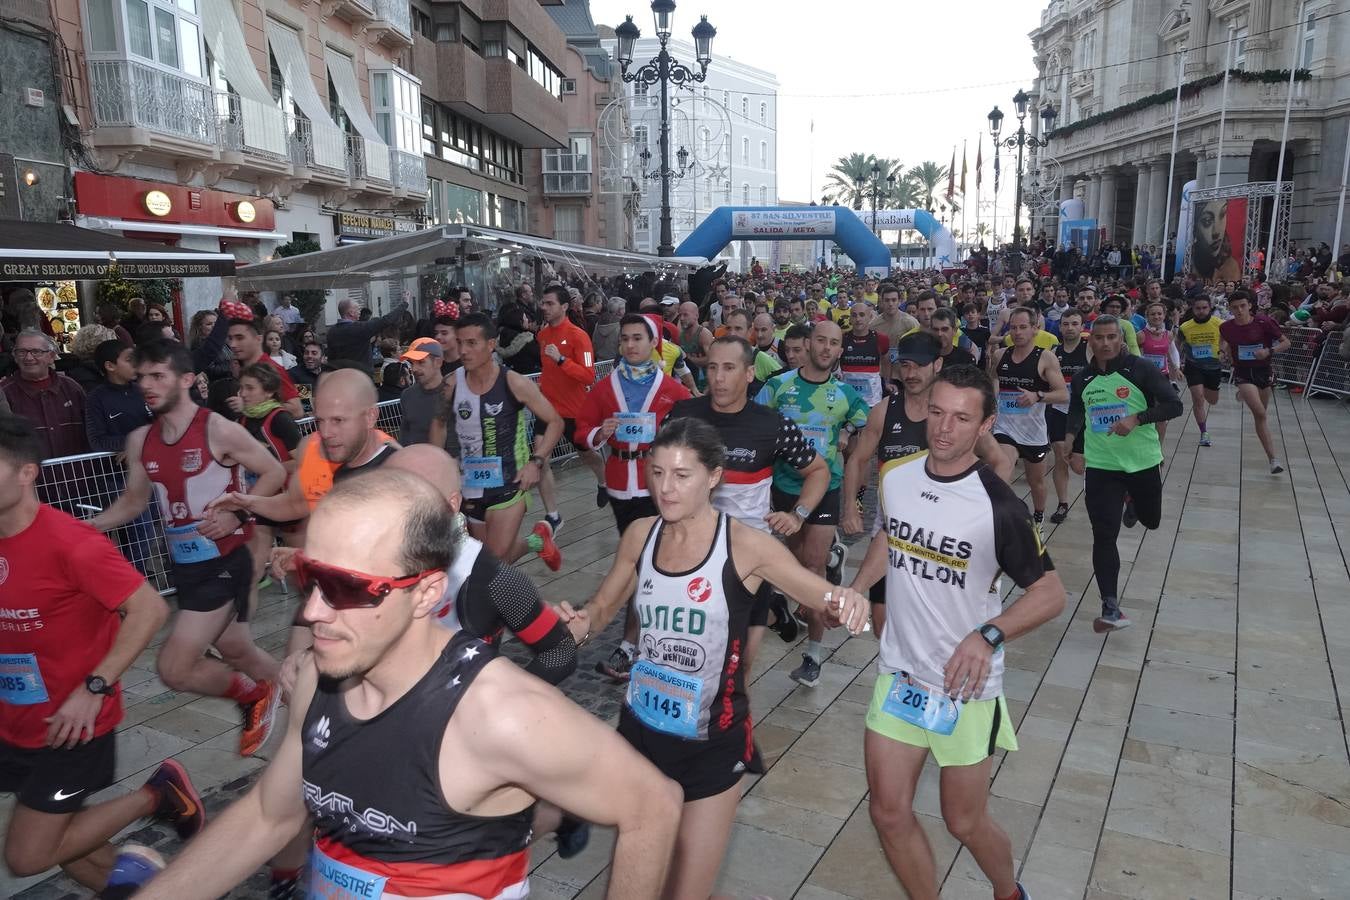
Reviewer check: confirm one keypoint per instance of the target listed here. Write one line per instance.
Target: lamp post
(664, 70)
(876, 188)
(1020, 140)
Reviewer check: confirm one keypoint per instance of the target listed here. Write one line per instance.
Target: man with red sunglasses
(476, 741)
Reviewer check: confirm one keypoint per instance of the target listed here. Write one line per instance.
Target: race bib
(1007, 404)
(636, 427)
(665, 700)
(1247, 352)
(919, 705)
(1159, 361)
(865, 383)
(21, 681)
(483, 472)
(333, 880)
(1202, 351)
(186, 545)
(818, 436)
(1102, 416)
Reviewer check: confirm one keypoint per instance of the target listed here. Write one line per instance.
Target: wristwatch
(801, 512)
(538, 459)
(992, 634)
(98, 685)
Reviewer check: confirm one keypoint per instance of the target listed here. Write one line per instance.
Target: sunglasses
(346, 588)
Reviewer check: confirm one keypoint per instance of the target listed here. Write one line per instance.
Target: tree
(851, 182)
(982, 231)
(850, 177)
(928, 176)
(310, 302)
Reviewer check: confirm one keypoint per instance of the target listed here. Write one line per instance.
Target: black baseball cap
(918, 347)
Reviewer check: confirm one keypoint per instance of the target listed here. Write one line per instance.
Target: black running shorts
(58, 781)
(207, 586)
(701, 768)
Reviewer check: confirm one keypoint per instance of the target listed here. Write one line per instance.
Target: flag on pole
(963, 168)
(979, 162)
(951, 175)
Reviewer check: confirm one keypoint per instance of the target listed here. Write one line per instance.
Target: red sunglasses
(346, 588)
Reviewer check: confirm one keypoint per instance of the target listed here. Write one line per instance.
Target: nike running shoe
(834, 569)
(1111, 620)
(787, 625)
(179, 802)
(555, 520)
(259, 716)
(135, 865)
(549, 553)
(617, 666)
(1205, 441)
(601, 498)
(573, 835)
(808, 673)
(1060, 514)
(1129, 517)
(1276, 467)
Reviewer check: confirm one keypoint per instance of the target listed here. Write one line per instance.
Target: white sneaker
(1276, 467)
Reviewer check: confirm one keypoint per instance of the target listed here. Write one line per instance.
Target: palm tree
(982, 231)
(850, 178)
(928, 175)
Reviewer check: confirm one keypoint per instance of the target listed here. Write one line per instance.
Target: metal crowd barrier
(85, 485)
(1332, 373)
(1294, 366)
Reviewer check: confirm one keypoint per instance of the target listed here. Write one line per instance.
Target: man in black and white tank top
(477, 739)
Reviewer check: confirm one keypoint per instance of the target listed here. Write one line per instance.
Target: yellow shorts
(984, 725)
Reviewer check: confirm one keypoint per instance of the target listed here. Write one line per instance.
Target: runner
(1026, 378)
(477, 739)
(74, 615)
(697, 572)
(1157, 346)
(1199, 342)
(1116, 402)
(1072, 354)
(631, 403)
(1115, 305)
(794, 346)
(188, 457)
(865, 363)
(828, 413)
(737, 324)
(762, 329)
(694, 340)
(1249, 341)
(568, 371)
(943, 325)
(487, 405)
(891, 320)
(951, 528)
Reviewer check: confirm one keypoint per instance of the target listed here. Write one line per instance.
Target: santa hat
(654, 326)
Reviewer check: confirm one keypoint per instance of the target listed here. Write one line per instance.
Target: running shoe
(1060, 514)
(134, 866)
(259, 716)
(573, 835)
(265, 582)
(755, 766)
(616, 666)
(179, 803)
(1205, 441)
(284, 886)
(808, 673)
(1129, 517)
(1022, 893)
(834, 569)
(601, 498)
(549, 553)
(1111, 620)
(1276, 467)
(787, 626)
(555, 520)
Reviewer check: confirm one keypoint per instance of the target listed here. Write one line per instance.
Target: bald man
(694, 340)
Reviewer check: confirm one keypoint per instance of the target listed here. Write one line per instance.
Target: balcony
(393, 24)
(245, 127)
(357, 12)
(136, 105)
(409, 173)
(567, 174)
(368, 164)
(321, 152)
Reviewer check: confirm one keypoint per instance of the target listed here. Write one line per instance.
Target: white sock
(814, 650)
(629, 648)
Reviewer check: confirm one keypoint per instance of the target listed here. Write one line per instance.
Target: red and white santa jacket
(625, 475)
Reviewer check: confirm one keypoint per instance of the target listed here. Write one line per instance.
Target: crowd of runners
(736, 440)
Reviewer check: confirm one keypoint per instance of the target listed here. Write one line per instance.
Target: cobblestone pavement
(1201, 753)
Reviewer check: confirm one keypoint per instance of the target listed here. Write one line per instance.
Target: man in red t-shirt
(246, 343)
(567, 373)
(1247, 342)
(74, 615)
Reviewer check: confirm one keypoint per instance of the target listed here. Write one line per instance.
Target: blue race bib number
(21, 681)
(921, 706)
(1007, 404)
(863, 382)
(1159, 361)
(818, 436)
(1247, 352)
(1102, 416)
(333, 880)
(186, 545)
(665, 700)
(636, 427)
(483, 472)
(1202, 351)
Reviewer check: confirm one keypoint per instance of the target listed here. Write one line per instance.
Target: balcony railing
(397, 13)
(409, 171)
(367, 160)
(323, 147)
(247, 126)
(133, 95)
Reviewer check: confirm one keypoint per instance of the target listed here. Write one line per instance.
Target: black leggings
(1104, 493)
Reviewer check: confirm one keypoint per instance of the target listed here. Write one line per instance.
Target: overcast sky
(896, 78)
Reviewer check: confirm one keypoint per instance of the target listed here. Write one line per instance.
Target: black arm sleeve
(1163, 401)
(1017, 543)
(793, 448)
(515, 605)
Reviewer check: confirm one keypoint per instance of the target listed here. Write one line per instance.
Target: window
(763, 195)
(1240, 49)
(396, 100)
(1087, 51)
(640, 89)
(705, 141)
(493, 49)
(1309, 38)
(745, 108)
(745, 195)
(640, 138)
(569, 85)
(569, 171)
(745, 150)
(568, 224)
(764, 113)
(726, 99)
(763, 154)
(544, 73)
(422, 24)
(433, 205)
(160, 32)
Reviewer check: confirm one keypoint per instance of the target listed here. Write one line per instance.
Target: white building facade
(1110, 69)
(729, 125)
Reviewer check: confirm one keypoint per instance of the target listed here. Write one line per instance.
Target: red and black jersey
(401, 829)
(186, 476)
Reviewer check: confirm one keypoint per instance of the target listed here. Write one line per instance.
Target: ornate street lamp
(1020, 140)
(664, 70)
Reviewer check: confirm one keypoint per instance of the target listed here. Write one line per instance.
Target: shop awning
(43, 251)
(354, 265)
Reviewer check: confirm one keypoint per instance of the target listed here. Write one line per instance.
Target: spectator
(272, 344)
(207, 341)
(80, 363)
(22, 311)
(135, 316)
(515, 341)
(115, 408)
(393, 381)
(290, 317)
(51, 401)
(246, 343)
(349, 338)
(306, 374)
(264, 416)
(155, 312)
(223, 397)
(605, 338)
(421, 401)
(109, 317)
